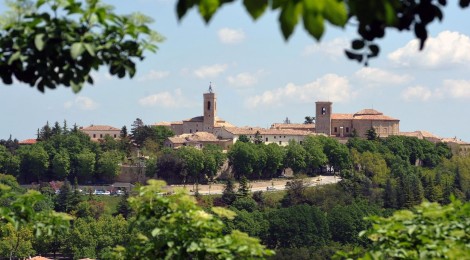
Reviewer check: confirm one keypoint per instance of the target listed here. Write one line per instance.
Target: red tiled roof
(264, 131)
(28, 141)
(292, 126)
(100, 128)
(365, 114)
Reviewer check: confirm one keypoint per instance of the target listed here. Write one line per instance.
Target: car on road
(101, 192)
(270, 188)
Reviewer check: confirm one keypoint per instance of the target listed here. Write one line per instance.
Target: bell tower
(210, 110)
(324, 109)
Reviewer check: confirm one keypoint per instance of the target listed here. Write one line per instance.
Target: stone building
(208, 122)
(344, 125)
(96, 132)
(267, 136)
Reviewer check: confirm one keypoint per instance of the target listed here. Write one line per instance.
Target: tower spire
(210, 87)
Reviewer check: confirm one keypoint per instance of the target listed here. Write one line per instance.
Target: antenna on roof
(210, 87)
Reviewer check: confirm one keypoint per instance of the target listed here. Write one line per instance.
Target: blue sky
(260, 79)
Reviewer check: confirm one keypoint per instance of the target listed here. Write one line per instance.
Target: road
(273, 185)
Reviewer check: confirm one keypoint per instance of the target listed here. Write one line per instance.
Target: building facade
(96, 132)
(346, 125)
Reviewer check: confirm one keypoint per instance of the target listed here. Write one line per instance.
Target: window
(323, 110)
(336, 129)
(208, 105)
(101, 135)
(274, 137)
(280, 142)
(190, 130)
(266, 139)
(300, 142)
(94, 135)
(347, 129)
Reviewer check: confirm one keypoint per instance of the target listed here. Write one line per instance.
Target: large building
(208, 122)
(96, 132)
(344, 125)
(210, 129)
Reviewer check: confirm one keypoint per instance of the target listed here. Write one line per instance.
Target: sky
(260, 79)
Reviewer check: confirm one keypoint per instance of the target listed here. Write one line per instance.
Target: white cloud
(334, 48)
(450, 89)
(245, 79)
(417, 93)
(329, 87)
(81, 102)
(376, 77)
(210, 71)
(231, 36)
(166, 99)
(447, 49)
(154, 75)
(457, 89)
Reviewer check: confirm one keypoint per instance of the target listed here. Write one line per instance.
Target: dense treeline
(63, 153)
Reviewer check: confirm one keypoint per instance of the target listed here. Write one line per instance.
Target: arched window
(208, 105)
(323, 110)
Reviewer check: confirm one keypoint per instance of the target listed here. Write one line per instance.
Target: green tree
(243, 139)
(16, 243)
(85, 164)
(214, 158)
(309, 120)
(34, 162)
(9, 163)
(274, 159)
(242, 157)
(62, 44)
(193, 163)
(295, 157)
(371, 134)
(316, 158)
(430, 231)
(175, 227)
(296, 226)
(244, 187)
(228, 194)
(109, 164)
(61, 164)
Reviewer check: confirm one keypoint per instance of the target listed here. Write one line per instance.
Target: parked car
(101, 192)
(271, 188)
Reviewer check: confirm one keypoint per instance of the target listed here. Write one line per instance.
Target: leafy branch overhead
(59, 42)
(370, 17)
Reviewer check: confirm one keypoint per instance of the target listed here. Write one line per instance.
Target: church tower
(210, 110)
(324, 110)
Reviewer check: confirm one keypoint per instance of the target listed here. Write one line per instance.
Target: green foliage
(243, 158)
(312, 13)
(109, 164)
(175, 227)
(193, 162)
(430, 231)
(371, 134)
(297, 226)
(243, 139)
(228, 194)
(295, 192)
(54, 43)
(15, 243)
(295, 157)
(244, 187)
(34, 162)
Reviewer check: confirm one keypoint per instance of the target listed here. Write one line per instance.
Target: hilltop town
(209, 128)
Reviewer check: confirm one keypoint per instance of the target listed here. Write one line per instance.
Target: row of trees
(67, 153)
